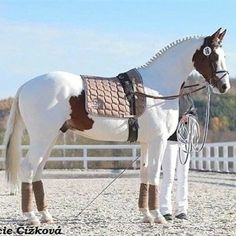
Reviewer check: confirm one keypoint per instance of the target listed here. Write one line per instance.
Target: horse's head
(209, 61)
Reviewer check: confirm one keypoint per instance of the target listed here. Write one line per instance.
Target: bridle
(212, 57)
(218, 78)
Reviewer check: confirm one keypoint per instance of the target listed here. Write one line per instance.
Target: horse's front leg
(28, 190)
(38, 188)
(144, 185)
(156, 151)
(41, 201)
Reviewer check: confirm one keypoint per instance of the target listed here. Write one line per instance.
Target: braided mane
(166, 48)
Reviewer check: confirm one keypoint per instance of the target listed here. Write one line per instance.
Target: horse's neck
(166, 72)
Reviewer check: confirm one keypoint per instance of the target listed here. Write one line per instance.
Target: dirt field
(212, 206)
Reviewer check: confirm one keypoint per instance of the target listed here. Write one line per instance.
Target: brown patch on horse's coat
(79, 116)
(201, 62)
(206, 64)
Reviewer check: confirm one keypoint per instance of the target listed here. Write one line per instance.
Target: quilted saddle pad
(106, 96)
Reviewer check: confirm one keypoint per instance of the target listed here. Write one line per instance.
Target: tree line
(222, 114)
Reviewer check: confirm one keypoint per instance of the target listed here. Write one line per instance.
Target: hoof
(148, 219)
(33, 222)
(46, 217)
(31, 219)
(160, 220)
(158, 217)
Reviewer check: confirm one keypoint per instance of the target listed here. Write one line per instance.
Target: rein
(188, 137)
(172, 97)
(188, 133)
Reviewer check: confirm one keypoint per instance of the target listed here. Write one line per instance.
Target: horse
(55, 101)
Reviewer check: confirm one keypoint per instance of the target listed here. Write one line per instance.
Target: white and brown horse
(45, 103)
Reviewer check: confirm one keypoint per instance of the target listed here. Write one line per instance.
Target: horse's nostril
(224, 87)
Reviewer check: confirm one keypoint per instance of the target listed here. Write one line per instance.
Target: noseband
(213, 84)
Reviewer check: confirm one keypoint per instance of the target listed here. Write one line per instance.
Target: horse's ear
(216, 34)
(221, 35)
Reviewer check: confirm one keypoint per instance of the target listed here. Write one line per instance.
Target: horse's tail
(12, 142)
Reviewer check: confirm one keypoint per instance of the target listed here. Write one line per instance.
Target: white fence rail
(85, 158)
(219, 157)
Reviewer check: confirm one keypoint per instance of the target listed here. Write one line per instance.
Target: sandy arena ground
(212, 205)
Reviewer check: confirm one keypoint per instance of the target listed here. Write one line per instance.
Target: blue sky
(102, 37)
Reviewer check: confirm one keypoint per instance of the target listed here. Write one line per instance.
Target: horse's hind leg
(39, 192)
(38, 150)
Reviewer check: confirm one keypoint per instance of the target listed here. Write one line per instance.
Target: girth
(128, 87)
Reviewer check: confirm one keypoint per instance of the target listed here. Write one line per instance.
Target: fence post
(208, 158)
(225, 158)
(234, 158)
(200, 155)
(193, 161)
(64, 143)
(134, 155)
(216, 161)
(85, 156)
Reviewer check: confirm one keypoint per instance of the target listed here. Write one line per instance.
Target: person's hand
(184, 119)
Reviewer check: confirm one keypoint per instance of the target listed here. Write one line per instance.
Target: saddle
(114, 97)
